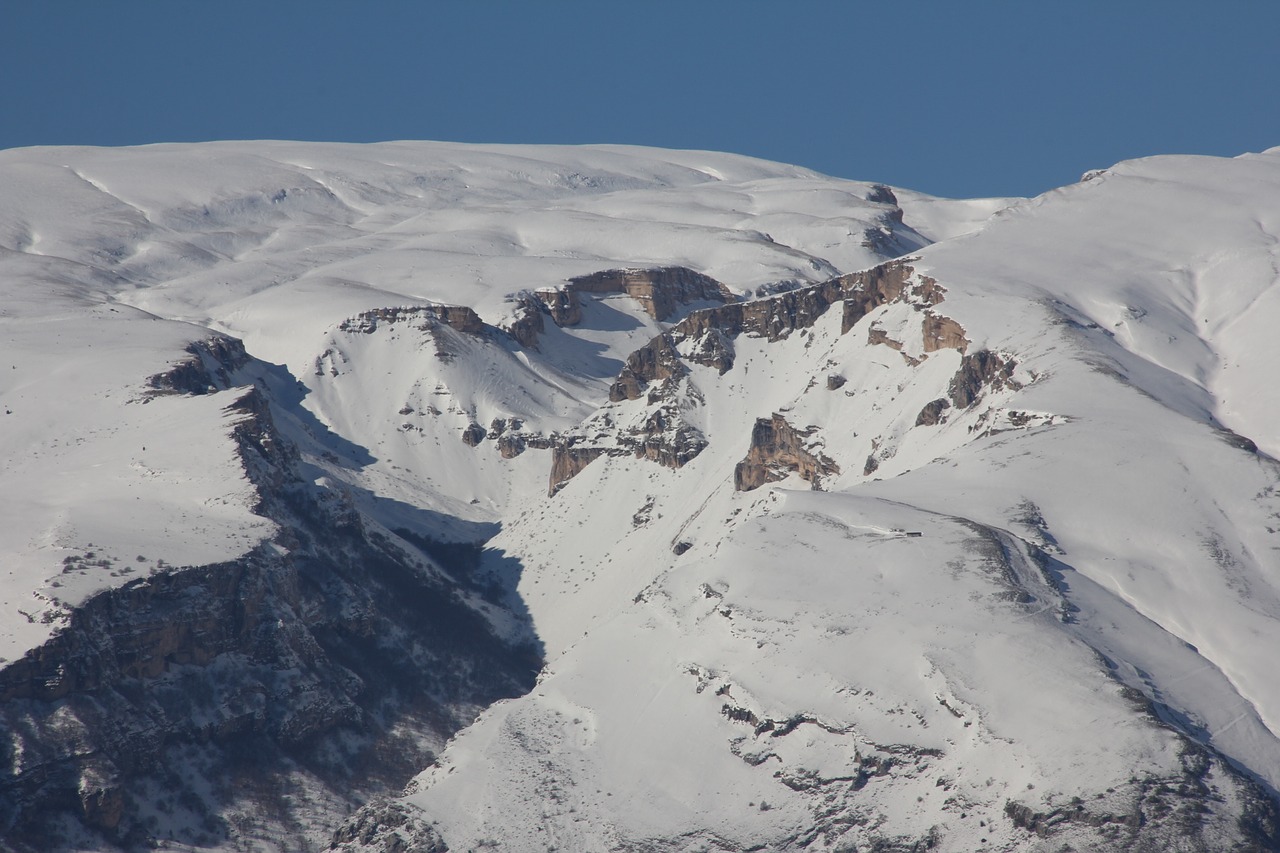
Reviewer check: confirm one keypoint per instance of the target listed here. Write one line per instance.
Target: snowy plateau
(425, 497)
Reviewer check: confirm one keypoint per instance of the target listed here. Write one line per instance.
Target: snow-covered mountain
(628, 499)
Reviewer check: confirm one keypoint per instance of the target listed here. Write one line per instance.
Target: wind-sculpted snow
(964, 531)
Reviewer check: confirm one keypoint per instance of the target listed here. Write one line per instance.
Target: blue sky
(961, 99)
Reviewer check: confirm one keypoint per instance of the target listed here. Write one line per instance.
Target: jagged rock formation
(388, 828)
(564, 305)
(943, 333)
(457, 317)
(473, 434)
(656, 371)
(979, 371)
(656, 361)
(527, 323)
(931, 414)
(659, 291)
(777, 448)
(209, 369)
(710, 331)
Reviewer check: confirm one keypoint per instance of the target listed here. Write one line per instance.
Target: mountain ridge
(1046, 430)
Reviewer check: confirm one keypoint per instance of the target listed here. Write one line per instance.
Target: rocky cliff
(340, 655)
(777, 448)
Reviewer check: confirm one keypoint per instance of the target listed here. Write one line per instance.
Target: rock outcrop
(526, 324)
(387, 828)
(709, 333)
(567, 462)
(656, 361)
(777, 449)
(209, 368)
(943, 333)
(564, 306)
(457, 317)
(659, 290)
(980, 371)
(657, 371)
(931, 414)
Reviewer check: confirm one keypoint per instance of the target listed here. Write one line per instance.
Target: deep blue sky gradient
(953, 98)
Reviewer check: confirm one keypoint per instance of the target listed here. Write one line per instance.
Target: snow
(958, 621)
(277, 244)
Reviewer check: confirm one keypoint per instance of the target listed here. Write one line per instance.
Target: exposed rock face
(866, 291)
(981, 370)
(659, 291)
(567, 462)
(882, 195)
(777, 448)
(457, 317)
(1154, 814)
(669, 441)
(943, 333)
(656, 361)
(473, 435)
(663, 437)
(333, 655)
(212, 362)
(527, 323)
(656, 371)
(711, 331)
(427, 319)
(835, 382)
(931, 414)
(564, 306)
(876, 335)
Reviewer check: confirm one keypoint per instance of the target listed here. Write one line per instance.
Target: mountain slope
(828, 514)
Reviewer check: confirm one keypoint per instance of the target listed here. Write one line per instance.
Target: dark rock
(312, 654)
(527, 324)
(931, 414)
(980, 371)
(565, 306)
(209, 369)
(777, 449)
(473, 434)
(654, 362)
(943, 333)
(387, 828)
(881, 194)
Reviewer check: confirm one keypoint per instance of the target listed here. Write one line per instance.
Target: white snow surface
(966, 614)
(113, 260)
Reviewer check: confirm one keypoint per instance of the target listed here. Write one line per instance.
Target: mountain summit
(420, 496)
